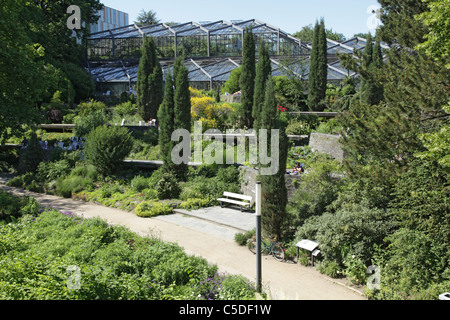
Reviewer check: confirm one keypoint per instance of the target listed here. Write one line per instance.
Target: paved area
(214, 241)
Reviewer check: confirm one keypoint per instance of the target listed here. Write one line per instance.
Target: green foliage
(273, 186)
(247, 79)
(232, 85)
(107, 147)
(91, 106)
(166, 123)
(114, 263)
(437, 39)
(149, 85)
(330, 268)
(413, 265)
(289, 92)
(87, 123)
(298, 128)
(31, 156)
(263, 70)
(356, 230)
(48, 171)
(194, 203)
(126, 108)
(317, 79)
(152, 209)
(306, 34)
(241, 238)
(11, 206)
(318, 189)
(167, 187)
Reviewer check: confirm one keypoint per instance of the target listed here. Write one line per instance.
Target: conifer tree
(371, 92)
(273, 187)
(149, 81)
(247, 79)
(166, 123)
(182, 106)
(263, 70)
(317, 81)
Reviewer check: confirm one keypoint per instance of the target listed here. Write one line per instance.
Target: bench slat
(234, 202)
(237, 196)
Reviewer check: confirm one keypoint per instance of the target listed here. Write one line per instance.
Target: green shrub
(355, 269)
(65, 187)
(298, 128)
(91, 106)
(48, 171)
(167, 187)
(125, 109)
(80, 178)
(107, 147)
(194, 203)
(237, 287)
(359, 228)
(139, 183)
(115, 263)
(241, 237)
(31, 156)
(10, 206)
(152, 209)
(330, 268)
(87, 123)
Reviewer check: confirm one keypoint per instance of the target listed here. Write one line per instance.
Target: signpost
(310, 246)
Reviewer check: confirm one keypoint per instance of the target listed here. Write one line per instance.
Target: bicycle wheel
(277, 252)
(251, 245)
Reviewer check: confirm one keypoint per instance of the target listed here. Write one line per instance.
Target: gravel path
(214, 241)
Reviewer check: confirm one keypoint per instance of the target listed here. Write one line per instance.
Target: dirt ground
(281, 280)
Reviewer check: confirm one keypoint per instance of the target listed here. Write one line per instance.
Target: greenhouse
(192, 39)
(212, 50)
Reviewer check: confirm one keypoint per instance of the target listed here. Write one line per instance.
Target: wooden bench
(236, 199)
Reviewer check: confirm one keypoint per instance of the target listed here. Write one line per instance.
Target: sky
(343, 16)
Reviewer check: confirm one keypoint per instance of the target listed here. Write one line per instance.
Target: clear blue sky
(343, 16)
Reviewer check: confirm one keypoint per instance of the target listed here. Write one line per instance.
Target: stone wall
(327, 143)
(248, 183)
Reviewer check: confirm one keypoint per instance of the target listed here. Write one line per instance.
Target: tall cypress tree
(371, 89)
(263, 70)
(149, 81)
(247, 79)
(273, 187)
(182, 106)
(166, 123)
(317, 81)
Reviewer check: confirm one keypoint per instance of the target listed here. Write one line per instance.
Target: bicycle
(273, 248)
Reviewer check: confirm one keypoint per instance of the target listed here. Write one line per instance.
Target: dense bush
(355, 231)
(86, 123)
(319, 187)
(31, 156)
(91, 106)
(168, 187)
(113, 263)
(107, 147)
(48, 171)
(152, 209)
(80, 178)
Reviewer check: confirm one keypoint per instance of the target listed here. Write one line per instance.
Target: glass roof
(215, 71)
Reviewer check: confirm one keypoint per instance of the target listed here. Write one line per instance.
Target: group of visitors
(298, 169)
(75, 143)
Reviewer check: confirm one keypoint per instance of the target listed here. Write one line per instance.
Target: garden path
(214, 242)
